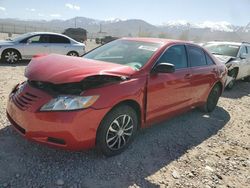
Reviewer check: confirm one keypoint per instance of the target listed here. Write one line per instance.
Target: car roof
(48, 33)
(224, 42)
(52, 33)
(156, 40)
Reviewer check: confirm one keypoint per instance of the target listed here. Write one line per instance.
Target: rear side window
(196, 56)
(175, 55)
(209, 60)
(58, 39)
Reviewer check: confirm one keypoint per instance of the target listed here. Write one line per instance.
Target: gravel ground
(191, 150)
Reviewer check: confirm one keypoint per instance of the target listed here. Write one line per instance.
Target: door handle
(188, 76)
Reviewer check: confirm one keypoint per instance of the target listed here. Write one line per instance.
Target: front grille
(24, 100)
(18, 127)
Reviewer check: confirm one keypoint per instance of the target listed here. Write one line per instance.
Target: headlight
(64, 103)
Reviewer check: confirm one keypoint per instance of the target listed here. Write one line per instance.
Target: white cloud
(41, 15)
(55, 15)
(2, 8)
(31, 9)
(72, 7)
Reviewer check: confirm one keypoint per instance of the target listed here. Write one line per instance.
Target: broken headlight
(65, 103)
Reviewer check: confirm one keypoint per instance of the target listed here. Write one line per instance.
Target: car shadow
(152, 149)
(239, 90)
(20, 63)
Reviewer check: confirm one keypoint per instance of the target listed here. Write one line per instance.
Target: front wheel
(117, 130)
(11, 56)
(212, 99)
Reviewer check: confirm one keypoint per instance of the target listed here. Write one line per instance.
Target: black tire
(73, 53)
(233, 74)
(212, 99)
(11, 56)
(109, 133)
(247, 79)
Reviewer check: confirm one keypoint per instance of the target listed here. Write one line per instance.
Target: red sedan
(103, 98)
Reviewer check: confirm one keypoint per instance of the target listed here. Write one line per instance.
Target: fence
(20, 29)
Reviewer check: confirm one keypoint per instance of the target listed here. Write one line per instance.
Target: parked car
(78, 34)
(27, 45)
(104, 98)
(236, 57)
(107, 39)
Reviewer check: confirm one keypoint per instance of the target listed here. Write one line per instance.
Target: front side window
(175, 55)
(196, 56)
(223, 49)
(243, 50)
(125, 52)
(35, 39)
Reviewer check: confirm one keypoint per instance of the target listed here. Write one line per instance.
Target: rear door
(169, 92)
(203, 73)
(59, 44)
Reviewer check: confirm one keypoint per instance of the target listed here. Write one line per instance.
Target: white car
(27, 45)
(236, 56)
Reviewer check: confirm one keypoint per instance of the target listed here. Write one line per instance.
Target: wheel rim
(11, 57)
(231, 83)
(119, 132)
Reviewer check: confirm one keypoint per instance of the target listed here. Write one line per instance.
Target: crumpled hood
(59, 69)
(224, 59)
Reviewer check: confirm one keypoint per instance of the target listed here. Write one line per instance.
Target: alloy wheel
(119, 132)
(11, 56)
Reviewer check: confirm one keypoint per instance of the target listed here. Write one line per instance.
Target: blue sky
(153, 11)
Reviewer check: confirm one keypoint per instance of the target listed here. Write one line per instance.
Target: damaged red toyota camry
(105, 97)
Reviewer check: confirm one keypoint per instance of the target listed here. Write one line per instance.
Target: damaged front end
(76, 88)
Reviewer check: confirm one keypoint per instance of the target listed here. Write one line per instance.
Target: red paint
(159, 96)
(65, 69)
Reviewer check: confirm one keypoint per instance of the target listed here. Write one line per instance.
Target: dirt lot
(191, 150)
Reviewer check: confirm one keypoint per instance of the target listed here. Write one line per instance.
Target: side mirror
(243, 56)
(164, 67)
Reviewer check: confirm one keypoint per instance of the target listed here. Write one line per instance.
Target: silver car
(236, 57)
(27, 45)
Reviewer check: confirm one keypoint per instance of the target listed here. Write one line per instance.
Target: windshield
(223, 49)
(20, 37)
(125, 52)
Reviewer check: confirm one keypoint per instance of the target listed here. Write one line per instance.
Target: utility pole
(75, 22)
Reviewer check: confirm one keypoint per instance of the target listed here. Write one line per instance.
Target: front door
(37, 44)
(169, 92)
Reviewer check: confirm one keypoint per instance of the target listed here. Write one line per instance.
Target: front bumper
(71, 130)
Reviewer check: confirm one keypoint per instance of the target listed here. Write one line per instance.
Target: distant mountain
(135, 27)
(213, 26)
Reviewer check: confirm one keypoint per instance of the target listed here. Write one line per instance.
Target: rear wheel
(72, 53)
(117, 130)
(212, 99)
(11, 56)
